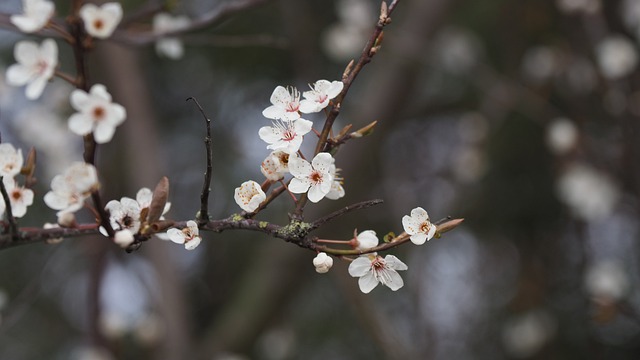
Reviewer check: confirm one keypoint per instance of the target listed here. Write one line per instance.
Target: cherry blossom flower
(96, 113)
(372, 269)
(318, 97)
(418, 226)
(249, 196)
(286, 104)
(36, 15)
(366, 240)
(70, 189)
(187, 236)
(617, 57)
(36, 65)
(144, 196)
(322, 263)
(10, 160)
(124, 214)
(19, 197)
(285, 135)
(562, 135)
(170, 47)
(275, 166)
(101, 21)
(123, 238)
(315, 178)
(337, 191)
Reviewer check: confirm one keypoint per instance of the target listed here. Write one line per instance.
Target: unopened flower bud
(66, 219)
(322, 262)
(123, 238)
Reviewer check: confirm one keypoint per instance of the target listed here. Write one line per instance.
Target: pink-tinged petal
(34, 88)
(270, 134)
(298, 186)
(419, 238)
(310, 106)
(395, 263)
(368, 282)
(27, 53)
(280, 96)
(79, 100)
(100, 91)
(176, 235)
(316, 193)
(360, 266)
(289, 147)
(49, 51)
(193, 243)
(80, 124)
(322, 162)
(302, 126)
(299, 168)
(103, 132)
(392, 279)
(18, 75)
(420, 215)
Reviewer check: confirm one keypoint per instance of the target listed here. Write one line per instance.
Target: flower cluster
(20, 197)
(285, 135)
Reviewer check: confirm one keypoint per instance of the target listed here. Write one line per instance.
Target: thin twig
(203, 215)
(357, 206)
(13, 225)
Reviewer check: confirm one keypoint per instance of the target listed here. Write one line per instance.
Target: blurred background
(519, 116)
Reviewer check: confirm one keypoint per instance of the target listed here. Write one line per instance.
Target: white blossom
(589, 193)
(322, 263)
(96, 113)
(101, 21)
(319, 96)
(607, 279)
(526, 334)
(275, 166)
(124, 214)
(19, 197)
(418, 226)
(71, 188)
(562, 135)
(189, 236)
(617, 57)
(372, 269)
(36, 14)
(315, 178)
(576, 6)
(10, 160)
(285, 104)
(36, 65)
(286, 136)
(170, 47)
(249, 196)
(366, 240)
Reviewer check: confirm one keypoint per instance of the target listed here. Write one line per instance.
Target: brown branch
(357, 206)
(203, 215)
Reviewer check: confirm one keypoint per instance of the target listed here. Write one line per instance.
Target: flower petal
(368, 282)
(360, 266)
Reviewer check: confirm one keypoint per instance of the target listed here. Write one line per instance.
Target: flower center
(425, 227)
(16, 194)
(98, 113)
(288, 135)
(284, 159)
(316, 177)
(98, 24)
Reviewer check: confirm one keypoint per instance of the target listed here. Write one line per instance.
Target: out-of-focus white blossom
(285, 104)
(523, 336)
(70, 189)
(344, 40)
(588, 192)
(10, 160)
(249, 196)
(101, 21)
(36, 65)
(418, 226)
(275, 166)
(149, 329)
(170, 47)
(607, 279)
(576, 6)
(372, 269)
(457, 50)
(286, 136)
(562, 135)
(617, 57)
(36, 14)
(96, 113)
(189, 236)
(19, 197)
(315, 178)
(319, 96)
(322, 262)
(540, 64)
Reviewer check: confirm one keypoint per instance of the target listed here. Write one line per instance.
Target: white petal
(323, 162)
(419, 214)
(410, 225)
(395, 263)
(176, 235)
(335, 89)
(193, 243)
(368, 282)
(360, 266)
(79, 99)
(269, 134)
(316, 193)
(367, 239)
(273, 112)
(100, 91)
(299, 168)
(310, 106)
(302, 126)
(34, 88)
(103, 132)
(392, 279)
(49, 52)
(80, 124)
(419, 238)
(280, 96)
(299, 186)
(27, 52)
(18, 75)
